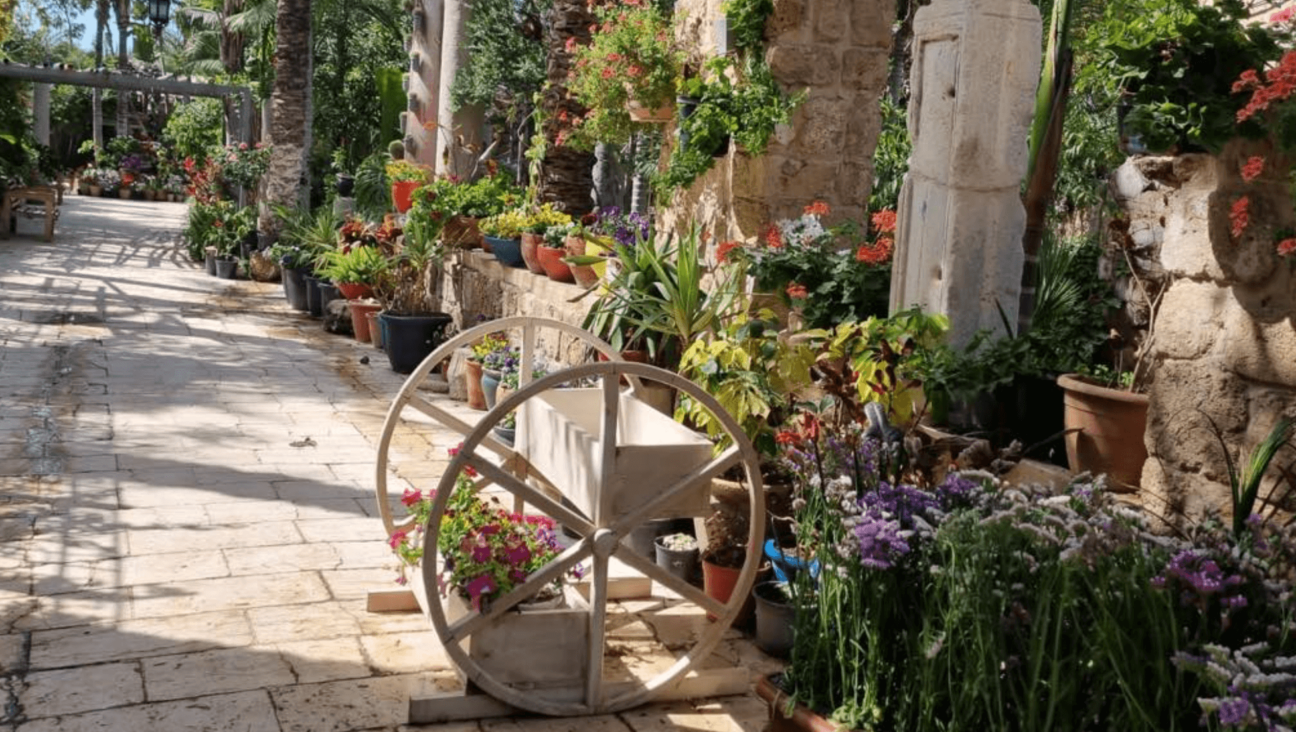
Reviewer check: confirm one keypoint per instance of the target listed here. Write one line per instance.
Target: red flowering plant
(632, 60)
(1269, 105)
(833, 274)
(243, 164)
(486, 551)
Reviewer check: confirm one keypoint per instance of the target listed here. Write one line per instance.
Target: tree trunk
(287, 182)
(123, 61)
(566, 174)
(231, 43)
(96, 96)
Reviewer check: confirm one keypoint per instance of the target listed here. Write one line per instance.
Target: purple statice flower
(957, 491)
(902, 502)
(1200, 578)
(881, 542)
(1234, 712)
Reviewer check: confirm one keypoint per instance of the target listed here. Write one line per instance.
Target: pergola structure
(105, 79)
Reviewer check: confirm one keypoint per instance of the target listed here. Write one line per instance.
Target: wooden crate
(559, 432)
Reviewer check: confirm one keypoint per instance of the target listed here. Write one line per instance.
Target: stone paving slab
(188, 526)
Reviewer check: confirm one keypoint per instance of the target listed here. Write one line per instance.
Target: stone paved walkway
(174, 553)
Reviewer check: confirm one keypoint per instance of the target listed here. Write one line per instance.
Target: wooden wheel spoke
(598, 627)
(661, 576)
(429, 409)
(552, 571)
(721, 463)
(533, 496)
(608, 436)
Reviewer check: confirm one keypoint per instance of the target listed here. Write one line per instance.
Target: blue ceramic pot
(490, 387)
(507, 251)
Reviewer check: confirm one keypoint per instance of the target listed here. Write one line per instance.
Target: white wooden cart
(601, 462)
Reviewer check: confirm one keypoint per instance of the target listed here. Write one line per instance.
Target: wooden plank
(471, 705)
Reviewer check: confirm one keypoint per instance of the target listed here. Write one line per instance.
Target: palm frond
(254, 18)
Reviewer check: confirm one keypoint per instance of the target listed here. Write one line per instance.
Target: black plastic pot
(345, 185)
(411, 338)
(643, 538)
(209, 259)
(313, 303)
(774, 618)
(1036, 413)
(226, 269)
(294, 282)
(682, 563)
(328, 293)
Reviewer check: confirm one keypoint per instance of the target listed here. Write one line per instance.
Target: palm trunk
(96, 96)
(231, 43)
(123, 60)
(566, 174)
(287, 182)
(1045, 148)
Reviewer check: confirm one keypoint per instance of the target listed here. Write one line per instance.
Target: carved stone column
(976, 65)
(41, 112)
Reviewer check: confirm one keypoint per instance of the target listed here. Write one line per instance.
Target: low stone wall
(476, 287)
(1223, 342)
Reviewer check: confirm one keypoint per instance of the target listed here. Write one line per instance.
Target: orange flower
(1253, 168)
(817, 208)
(876, 254)
(1240, 216)
(884, 220)
(1287, 247)
(722, 251)
(773, 237)
(635, 71)
(797, 292)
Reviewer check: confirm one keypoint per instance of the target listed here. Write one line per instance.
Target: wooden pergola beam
(105, 79)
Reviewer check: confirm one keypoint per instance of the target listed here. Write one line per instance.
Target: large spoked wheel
(600, 528)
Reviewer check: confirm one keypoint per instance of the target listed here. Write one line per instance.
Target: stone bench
(19, 202)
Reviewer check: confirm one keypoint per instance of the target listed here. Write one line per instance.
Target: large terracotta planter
(403, 194)
(1110, 425)
(530, 251)
(719, 583)
(476, 396)
(551, 258)
(658, 116)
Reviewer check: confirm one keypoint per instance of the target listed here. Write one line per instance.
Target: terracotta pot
(355, 291)
(719, 583)
(530, 254)
(360, 311)
(476, 397)
(462, 232)
(551, 260)
(658, 116)
(585, 274)
(403, 194)
(1111, 423)
(375, 329)
(800, 719)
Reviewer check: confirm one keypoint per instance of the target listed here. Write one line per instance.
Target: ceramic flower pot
(507, 251)
(1109, 426)
(375, 330)
(355, 291)
(490, 381)
(658, 116)
(473, 375)
(800, 719)
(360, 311)
(719, 583)
(530, 251)
(551, 259)
(775, 615)
(402, 192)
(585, 274)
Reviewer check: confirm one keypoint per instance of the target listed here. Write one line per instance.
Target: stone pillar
(976, 65)
(41, 112)
(458, 131)
(1222, 344)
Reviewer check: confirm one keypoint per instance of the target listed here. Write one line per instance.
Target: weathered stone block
(857, 183)
(832, 20)
(1261, 342)
(1189, 321)
(821, 127)
(1183, 394)
(799, 66)
(864, 69)
(751, 215)
(863, 125)
(871, 22)
(813, 181)
(788, 17)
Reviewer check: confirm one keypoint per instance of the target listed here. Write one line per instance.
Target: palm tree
(287, 182)
(123, 10)
(96, 97)
(566, 174)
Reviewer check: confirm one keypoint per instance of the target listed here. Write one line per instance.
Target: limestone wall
(1223, 341)
(835, 49)
(475, 287)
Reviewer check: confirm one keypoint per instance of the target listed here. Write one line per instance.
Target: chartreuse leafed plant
(971, 605)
